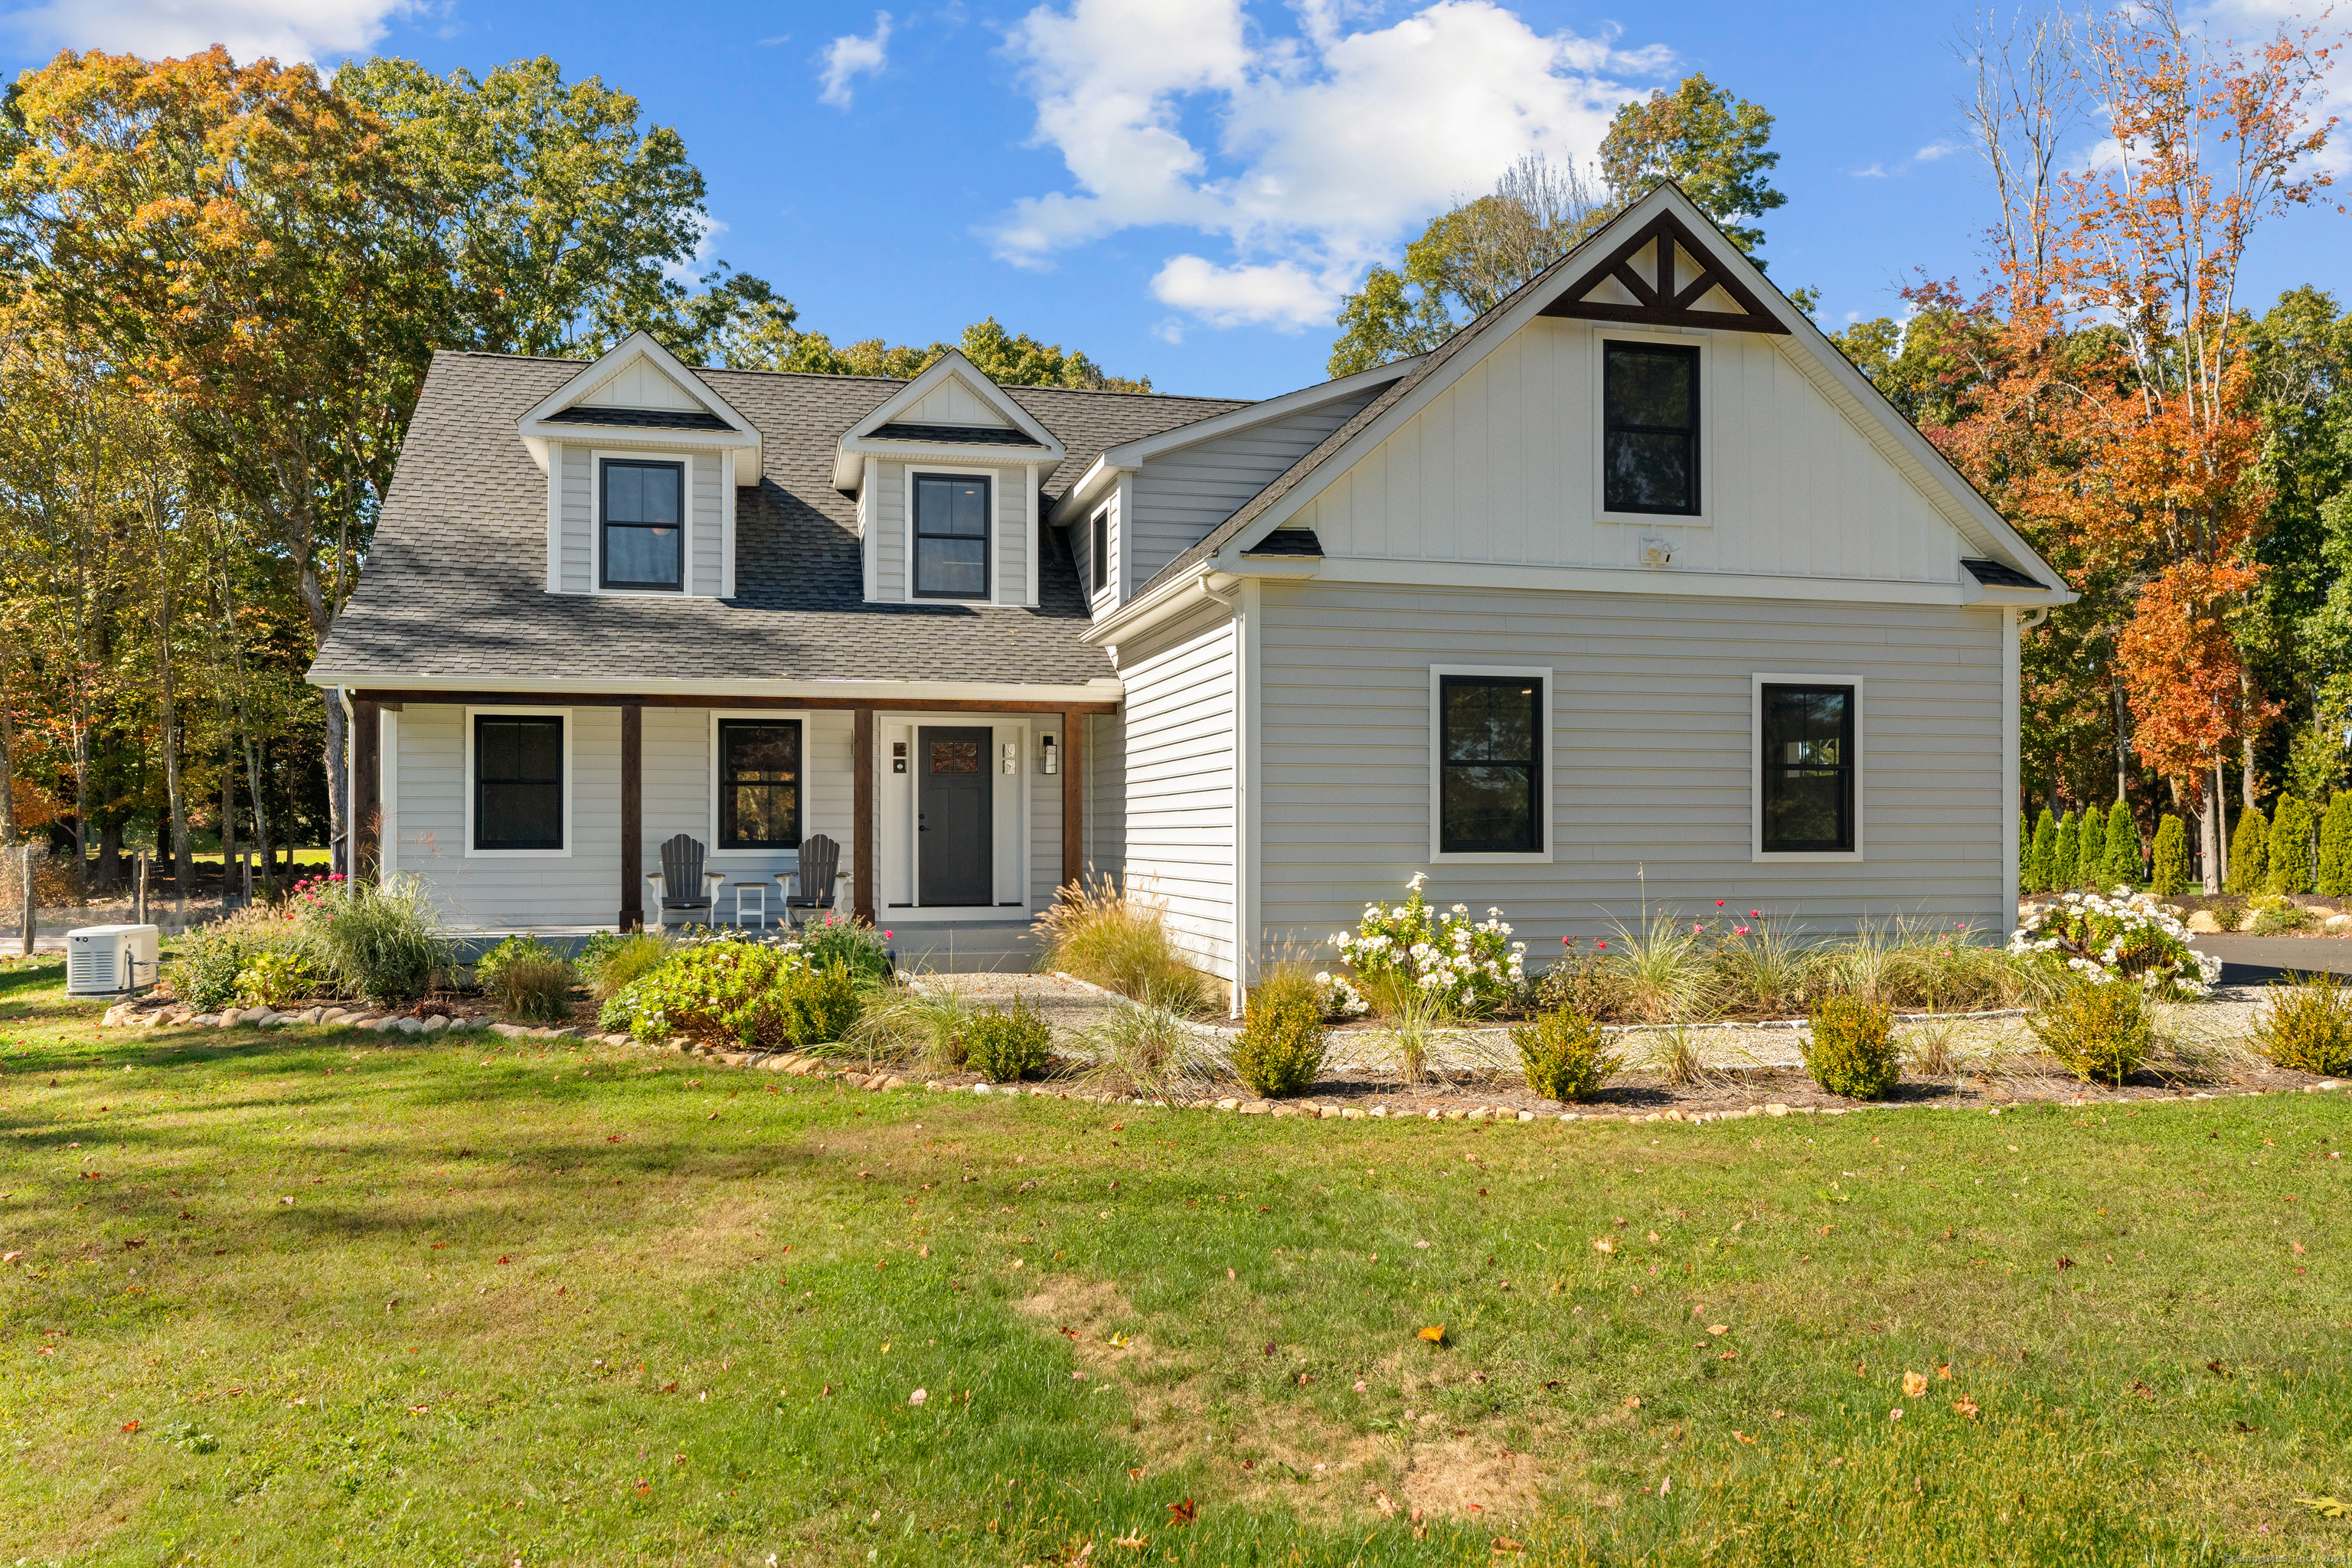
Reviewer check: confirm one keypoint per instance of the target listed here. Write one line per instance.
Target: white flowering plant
(1338, 998)
(1472, 966)
(2121, 935)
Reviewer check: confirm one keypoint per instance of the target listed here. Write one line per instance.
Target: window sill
(1801, 857)
(1654, 519)
(517, 853)
(1491, 858)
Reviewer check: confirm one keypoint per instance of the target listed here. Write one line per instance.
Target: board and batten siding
(1181, 496)
(1178, 717)
(582, 888)
(1500, 468)
(1650, 761)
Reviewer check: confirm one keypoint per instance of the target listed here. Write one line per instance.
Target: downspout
(1235, 609)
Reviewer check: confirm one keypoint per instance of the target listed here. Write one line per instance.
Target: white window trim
(802, 716)
(1545, 809)
(685, 460)
(995, 478)
(1604, 335)
(1757, 681)
(569, 772)
(1107, 514)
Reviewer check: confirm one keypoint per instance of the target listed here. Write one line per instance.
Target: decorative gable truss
(1661, 275)
(639, 407)
(957, 429)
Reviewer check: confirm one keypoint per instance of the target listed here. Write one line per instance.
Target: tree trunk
(2209, 832)
(110, 850)
(260, 817)
(7, 747)
(228, 823)
(2123, 745)
(339, 785)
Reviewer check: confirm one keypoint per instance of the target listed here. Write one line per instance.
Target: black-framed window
(758, 783)
(1648, 458)
(951, 537)
(1808, 766)
(518, 782)
(1099, 546)
(644, 511)
(1490, 764)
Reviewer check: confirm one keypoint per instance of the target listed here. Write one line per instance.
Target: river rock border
(144, 1016)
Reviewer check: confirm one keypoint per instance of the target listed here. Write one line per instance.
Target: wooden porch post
(861, 856)
(1073, 798)
(633, 816)
(367, 790)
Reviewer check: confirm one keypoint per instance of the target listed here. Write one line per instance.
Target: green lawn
(459, 1304)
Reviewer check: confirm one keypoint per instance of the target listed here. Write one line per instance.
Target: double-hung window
(1490, 773)
(1807, 769)
(518, 782)
(758, 783)
(951, 537)
(1649, 452)
(643, 507)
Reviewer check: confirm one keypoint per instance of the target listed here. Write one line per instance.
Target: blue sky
(1182, 187)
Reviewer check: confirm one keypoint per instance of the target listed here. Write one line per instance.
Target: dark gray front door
(954, 821)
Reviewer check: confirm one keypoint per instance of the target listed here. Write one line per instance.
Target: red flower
(1718, 903)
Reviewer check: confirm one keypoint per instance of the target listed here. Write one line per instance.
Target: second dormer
(945, 474)
(643, 459)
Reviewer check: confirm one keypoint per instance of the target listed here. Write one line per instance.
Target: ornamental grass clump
(2121, 935)
(2101, 1030)
(1472, 966)
(1565, 1054)
(1118, 940)
(1283, 1038)
(611, 959)
(1850, 1048)
(2308, 1025)
(380, 941)
(1005, 1045)
(1145, 1051)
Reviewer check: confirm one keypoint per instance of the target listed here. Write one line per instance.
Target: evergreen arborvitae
(2122, 867)
(2290, 847)
(2066, 861)
(2024, 853)
(2090, 847)
(2171, 873)
(2336, 847)
(2248, 853)
(2042, 863)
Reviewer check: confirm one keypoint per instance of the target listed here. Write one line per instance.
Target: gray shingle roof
(454, 584)
(954, 434)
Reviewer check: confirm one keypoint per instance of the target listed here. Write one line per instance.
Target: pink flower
(1605, 944)
(1742, 930)
(1756, 914)
(1718, 903)
(1696, 928)
(889, 933)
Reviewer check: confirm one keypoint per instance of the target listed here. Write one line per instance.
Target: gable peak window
(1649, 444)
(1808, 769)
(1490, 764)
(951, 514)
(643, 506)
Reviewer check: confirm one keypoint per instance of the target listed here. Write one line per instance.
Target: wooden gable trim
(1661, 303)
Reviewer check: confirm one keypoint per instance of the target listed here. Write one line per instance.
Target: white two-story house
(1633, 588)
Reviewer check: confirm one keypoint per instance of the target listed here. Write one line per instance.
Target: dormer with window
(643, 459)
(946, 473)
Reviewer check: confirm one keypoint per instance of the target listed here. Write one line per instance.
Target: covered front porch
(957, 818)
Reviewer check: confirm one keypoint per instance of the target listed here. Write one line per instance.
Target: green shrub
(381, 941)
(2122, 866)
(533, 989)
(818, 1006)
(1850, 1049)
(1565, 1055)
(2091, 835)
(2308, 1025)
(273, 977)
(1119, 942)
(2170, 873)
(2041, 864)
(1283, 1036)
(611, 959)
(2273, 915)
(2334, 871)
(2228, 914)
(2066, 861)
(2289, 847)
(518, 947)
(839, 940)
(719, 992)
(2100, 1029)
(1006, 1044)
(2249, 853)
(208, 972)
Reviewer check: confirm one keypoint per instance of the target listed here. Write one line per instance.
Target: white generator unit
(112, 961)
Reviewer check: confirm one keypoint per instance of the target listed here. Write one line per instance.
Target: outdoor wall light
(1050, 752)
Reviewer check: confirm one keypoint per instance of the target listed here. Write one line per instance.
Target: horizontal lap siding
(1650, 770)
(679, 768)
(1181, 497)
(577, 520)
(498, 893)
(709, 527)
(1178, 799)
(888, 520)
(1011, 541)
(1044, 820)
(1105, 784)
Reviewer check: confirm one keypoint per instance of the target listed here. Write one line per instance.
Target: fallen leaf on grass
(1604, 1244)
(1719, 1328)
(1387, 1508)
(1965, 1406)
(2326, 1507)
(131, 1425)
(1505, 1544)
(1183, 1513)
(1134, 1541)
(1914, 1385)
(1633, 1401)
(1743, 1437)
(1945, 1372)
(1434, 1334)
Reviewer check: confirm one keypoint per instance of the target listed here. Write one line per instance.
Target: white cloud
(1875, 172)
(1311, 155)
(850, 57)
(249, 30)
(1942, 149)
(706, 243)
